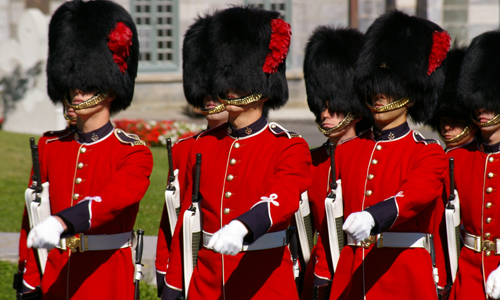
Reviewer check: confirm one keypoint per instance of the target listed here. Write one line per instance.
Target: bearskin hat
(447, 105)
(479, 82)
(93, 45)
(330, 57)
(401, 57)
(249, 47)
(196, 58)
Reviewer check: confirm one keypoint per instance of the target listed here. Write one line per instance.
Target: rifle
(452, 220)
(334, 213)
(36, 178)
(294, 251)
(138, 264)
(172, 195)
(192, 227)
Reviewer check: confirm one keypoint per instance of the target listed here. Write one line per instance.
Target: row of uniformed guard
(389, 183)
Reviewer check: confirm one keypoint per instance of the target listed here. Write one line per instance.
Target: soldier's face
(483, 115)
(78, 96)
(209, 103)
(450, 127)
(331, 119)
(385, 118)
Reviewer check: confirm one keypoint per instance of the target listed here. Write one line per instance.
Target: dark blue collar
(94, 136)
(251, 129)
(489, 148)
(391, 134)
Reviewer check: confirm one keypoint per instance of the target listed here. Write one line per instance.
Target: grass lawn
(15, 165)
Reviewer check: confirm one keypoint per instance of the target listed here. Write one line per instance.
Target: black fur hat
(330, 57)
(401, 57)
(197, 74)
(479, 82)
(79, 55)
(448, 105)
(240, 39)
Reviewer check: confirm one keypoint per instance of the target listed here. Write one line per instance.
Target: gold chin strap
(389, 107)
(241, 101)
(88, 103)
(341, 126)
(456, 138)
(219, 108)
(489, 123)
(68, 119)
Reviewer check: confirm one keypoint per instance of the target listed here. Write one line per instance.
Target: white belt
(477, 244)
(267, 241)
(97, 242)
(395, 240)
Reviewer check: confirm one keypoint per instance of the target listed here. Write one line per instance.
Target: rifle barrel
(171, 177)
(331, 152)
(196, 184)
(138, 259)
(452, 179)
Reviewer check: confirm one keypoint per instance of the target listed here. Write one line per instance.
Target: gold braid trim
(241, 101)
(343, 124)
(456, 138)
(68, 119)
(391, 106)
(219, 108)
(489, 123)
(88, 103)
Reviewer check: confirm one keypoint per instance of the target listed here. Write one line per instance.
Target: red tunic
(180, 154)
(270, 170)
(398, 177)
(476, 169)
(113, 171)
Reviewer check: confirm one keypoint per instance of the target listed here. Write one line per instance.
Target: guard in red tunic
(328, 72)
(195, 74)
(477, 166)
(97, 174)
(252, 173)
(393, 190)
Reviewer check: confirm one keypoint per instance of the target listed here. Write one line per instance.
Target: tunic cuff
(384, 213)
(257, 221)
(77, 217)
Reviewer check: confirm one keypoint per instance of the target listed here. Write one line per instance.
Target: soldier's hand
(358, 225)
(46, 234)
(493, 284)
(229, 239)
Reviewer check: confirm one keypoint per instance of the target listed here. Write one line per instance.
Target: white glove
(46, 234)
(358, 225)
(229, 239)
(493, 284)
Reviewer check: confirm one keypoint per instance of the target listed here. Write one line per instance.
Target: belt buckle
(369, 241)
(488, 245)
(73, 243)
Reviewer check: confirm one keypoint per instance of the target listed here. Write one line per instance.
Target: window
(156, 22)
(283, 6)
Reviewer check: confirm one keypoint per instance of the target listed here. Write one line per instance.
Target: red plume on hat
(120, 40)
(440, 46)
(278, 46)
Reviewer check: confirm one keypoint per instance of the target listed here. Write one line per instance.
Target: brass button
(83, 150)
(487, 235)
(119, 131)
(489, 190)
(80, 166)
(273, 126)
(490, 175)
(368, 193)
(75, 196)
(228, 194)
(226, 211)
(491, 159)
(230, 177)
(236, 145)
(232, 162)
(379, 147)
(370, 176)
(488, 220)
(374, 161)
(487, 253)
(78, 181)
(488, 205)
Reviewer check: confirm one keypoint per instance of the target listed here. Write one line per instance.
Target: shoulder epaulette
(419, 138)
(278, 130)
(57, 134)
(194, 136)
(128, 138)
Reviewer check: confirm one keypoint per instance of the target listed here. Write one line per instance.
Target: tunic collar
(489, 148)
(391, 134)
(250, 130)
(94, 136)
